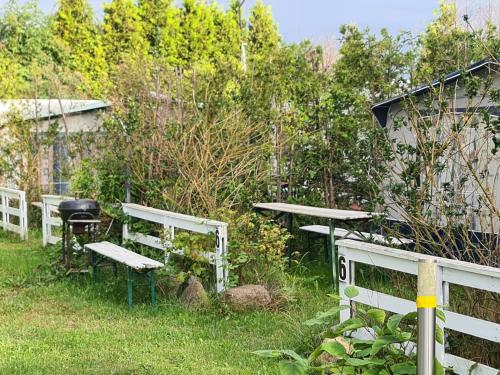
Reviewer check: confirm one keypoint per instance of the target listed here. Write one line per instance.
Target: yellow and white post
(426, 310)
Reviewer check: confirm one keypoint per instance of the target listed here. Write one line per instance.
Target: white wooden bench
(355, 235)
(170, 223)
(135, 263)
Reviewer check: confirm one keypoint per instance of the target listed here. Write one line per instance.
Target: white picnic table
(332, 214)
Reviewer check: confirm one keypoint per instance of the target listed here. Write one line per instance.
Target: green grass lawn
(70, 326)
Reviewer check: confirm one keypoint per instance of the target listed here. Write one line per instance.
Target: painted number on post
(342, 269)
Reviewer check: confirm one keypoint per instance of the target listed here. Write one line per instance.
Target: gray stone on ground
(247, 297)
(194, 295)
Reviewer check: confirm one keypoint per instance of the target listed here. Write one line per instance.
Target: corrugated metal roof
(380, 110)
(31, 109)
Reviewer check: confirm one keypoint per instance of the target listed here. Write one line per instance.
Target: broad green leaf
(292, 368)
(440, 315)
(473, 367)
(365, 362)
(406, 368)
(350, 325)
(278, 353)
(321, 316)
(376, 315)
(363, 352)
(404, 336)
(351, 291)
(410, 316)
(335, 349)
(268, 353)
(438, 368)
(393, 322)
(439, 335)
(356, 341)
(381, 342)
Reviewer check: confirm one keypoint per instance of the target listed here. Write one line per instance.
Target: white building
(468, 156)
(69, 117)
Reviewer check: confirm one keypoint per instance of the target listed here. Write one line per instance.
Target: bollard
(426, 315)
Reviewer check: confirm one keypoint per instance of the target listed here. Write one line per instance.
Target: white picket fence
(172, 221)
(449, 272)
(50, 217)
(7, 198)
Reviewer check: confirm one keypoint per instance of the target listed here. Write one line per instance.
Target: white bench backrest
(172, 220)
(21, 212)
(449, 272)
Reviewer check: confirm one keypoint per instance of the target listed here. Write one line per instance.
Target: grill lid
(79, 209)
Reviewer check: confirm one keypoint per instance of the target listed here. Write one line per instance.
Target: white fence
(449, 272)
(7, 196)
(170, 221)
(50, 217)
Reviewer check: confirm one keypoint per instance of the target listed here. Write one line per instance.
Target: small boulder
(247, 297)
(194, 295)
(326, 358)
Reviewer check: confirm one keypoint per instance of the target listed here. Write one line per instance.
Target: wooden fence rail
(8, 210)
(170, 221)
(50, 217)
(448, 272)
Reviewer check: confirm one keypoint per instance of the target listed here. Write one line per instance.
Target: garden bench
(355, 235)
(135, 263)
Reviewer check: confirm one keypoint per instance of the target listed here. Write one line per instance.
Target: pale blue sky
(320, 19)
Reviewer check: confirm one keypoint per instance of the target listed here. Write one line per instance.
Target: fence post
(4, 211)
(346, 278)
(442, 295)
(23, 218)
(426, 310)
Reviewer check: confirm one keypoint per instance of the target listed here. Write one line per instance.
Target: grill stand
(90, 226)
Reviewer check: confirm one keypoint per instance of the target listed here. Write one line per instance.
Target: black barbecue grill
(78, 217)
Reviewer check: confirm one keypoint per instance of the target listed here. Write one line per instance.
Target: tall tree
(263, 32)
(74, 29)
(25, 34)
(123, 31)
(199, 33)
(445, 46)
(161, 27)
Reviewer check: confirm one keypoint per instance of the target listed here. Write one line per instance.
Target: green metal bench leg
(326, 248)
(152, 286)
(130, 275)
(93, 264)
(115, 271)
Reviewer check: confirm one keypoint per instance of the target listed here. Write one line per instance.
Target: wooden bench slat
(360, 236)
(125, 256)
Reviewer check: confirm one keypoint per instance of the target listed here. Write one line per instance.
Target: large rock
(194, 295)
(326, 358)
(247, 297)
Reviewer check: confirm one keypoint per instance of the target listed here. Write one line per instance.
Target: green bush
(384, 353)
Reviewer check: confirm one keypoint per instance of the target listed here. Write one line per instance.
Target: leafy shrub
(386, 352)
(255, 250)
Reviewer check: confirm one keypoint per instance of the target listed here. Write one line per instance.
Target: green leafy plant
(386, 350)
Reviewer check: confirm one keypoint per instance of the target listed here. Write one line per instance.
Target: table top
(329, 213)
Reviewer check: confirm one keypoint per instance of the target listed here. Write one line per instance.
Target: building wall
(54, 162)
(49, 156)
(476, 143)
